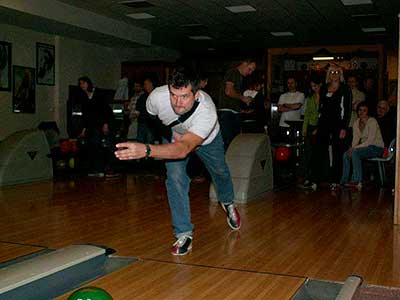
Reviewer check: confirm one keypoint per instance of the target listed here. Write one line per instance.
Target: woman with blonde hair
(334, 118)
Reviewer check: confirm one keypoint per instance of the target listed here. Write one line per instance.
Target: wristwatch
(148, 151)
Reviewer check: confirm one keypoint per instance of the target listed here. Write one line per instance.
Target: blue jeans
(178, 183)
(356, 158)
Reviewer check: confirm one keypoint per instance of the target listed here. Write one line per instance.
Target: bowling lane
(9, 251)
(144, 280)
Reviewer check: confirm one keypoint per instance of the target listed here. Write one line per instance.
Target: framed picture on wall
(45, 60)
(24, 90)
(5, 66)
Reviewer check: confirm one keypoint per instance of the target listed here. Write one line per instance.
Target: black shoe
(232, 216)
(182, 245)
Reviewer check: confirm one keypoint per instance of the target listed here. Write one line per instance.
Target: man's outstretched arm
(180, 148)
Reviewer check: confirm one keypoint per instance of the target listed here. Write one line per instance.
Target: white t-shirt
(293, 115)
(203, 122)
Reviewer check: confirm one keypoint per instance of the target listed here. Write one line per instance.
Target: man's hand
(130, 150)
(246, 100)
(349, 152)
(83, 133)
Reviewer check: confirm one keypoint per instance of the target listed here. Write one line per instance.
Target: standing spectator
(310, 132)
(97, 129)
(371, 94)
(358, 97)
(230, 99)
(255, 114)
(132, 111)
(334, 118)
(289, 105)
(146, 124)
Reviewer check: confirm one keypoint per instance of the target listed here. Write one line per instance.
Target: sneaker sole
(182, 254)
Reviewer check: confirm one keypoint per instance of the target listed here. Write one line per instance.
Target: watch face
(148, 150)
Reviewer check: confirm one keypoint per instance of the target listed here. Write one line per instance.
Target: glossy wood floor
(286, 237)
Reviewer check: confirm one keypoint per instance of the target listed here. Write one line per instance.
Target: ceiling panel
(311, 21)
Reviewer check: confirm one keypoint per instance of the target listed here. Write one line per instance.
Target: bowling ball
(71, 163)
(61, 164)
(282, 154)
(74, 146)
(90, 293)
(65, 146)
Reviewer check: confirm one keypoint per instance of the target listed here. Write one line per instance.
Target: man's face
(137, 88)
(182, 99)
(148, 86)
(369, 84)
(352, 82)
(291, 84)
(248, 68)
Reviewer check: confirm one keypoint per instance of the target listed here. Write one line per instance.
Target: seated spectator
(387, 122)
(367, 143)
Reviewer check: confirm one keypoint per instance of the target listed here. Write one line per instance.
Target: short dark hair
(183, 77)
(316, 79)
(362, 104)
(88, 81)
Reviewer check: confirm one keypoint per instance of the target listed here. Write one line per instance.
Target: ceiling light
(373, 29)
(282, 33)
(140, 16)
(200, 37)
(323, 58)
(356, 2)
(323, 54)
(240, 8)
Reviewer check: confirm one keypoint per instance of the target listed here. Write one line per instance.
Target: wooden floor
(286, 237)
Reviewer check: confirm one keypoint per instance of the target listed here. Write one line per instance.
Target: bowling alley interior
(89, 177)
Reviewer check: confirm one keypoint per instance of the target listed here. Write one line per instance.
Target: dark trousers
(322, 171)
(230, 126)
(308, 160)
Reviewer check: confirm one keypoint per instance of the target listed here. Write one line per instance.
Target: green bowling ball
(90, 293)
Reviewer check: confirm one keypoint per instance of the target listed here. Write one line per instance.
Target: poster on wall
(5, 66)
(24, 89)
(45, 60)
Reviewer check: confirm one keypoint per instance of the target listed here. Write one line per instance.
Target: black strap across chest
(185, 116)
